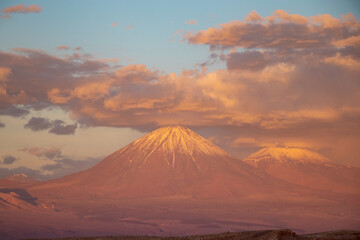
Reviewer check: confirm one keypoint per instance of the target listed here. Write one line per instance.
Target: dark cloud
(57, 126)
(38, 124)
(13, 111)
(8, 159)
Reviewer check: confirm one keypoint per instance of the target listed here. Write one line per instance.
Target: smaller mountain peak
(20, 177)
(286, 155)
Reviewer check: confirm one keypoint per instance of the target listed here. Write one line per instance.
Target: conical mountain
(168, 161)
(306, 168)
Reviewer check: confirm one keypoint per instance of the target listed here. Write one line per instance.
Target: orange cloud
(254, 17)
(191, 22)
(115, 24)
(282, 30)
(4, 74)
(292, 18)
(21, 8)
(62, 47)
(288, 93)
(344, 61)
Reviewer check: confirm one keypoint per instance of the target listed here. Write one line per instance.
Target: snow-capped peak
(177, 138)
(287, 155)
(20, 177)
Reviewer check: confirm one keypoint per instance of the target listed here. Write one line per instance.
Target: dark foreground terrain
(248, 235)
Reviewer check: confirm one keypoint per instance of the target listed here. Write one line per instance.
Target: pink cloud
(191, 22)
(115, 24)
(78, 48)
(62, 47)
(131, 26)
(21, 8)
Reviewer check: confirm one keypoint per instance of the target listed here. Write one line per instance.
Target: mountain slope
(169, 161)
(306, 168)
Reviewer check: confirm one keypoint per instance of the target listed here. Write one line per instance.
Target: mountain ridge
(168, 161)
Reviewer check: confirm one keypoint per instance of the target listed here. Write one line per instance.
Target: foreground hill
(248, 235)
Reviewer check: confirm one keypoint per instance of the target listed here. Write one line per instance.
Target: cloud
(38, 124)
(131, 26)
(191, 22)
(78, 48)
(8, 159)
(49, 153)
(65, 166)
(4, 74)
(13, 111)
(62, 47)
(57, 126)
(254, 17)
(21, 8)
(31, 69)
(280, 30)
(286, 78)
(35, 174)
(115, 24)
(2, 125)
(61, 167)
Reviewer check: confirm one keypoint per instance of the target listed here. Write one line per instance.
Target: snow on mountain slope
(306, 168)
(287, 155)
(168, 161)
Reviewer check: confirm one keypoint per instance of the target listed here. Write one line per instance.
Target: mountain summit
(179, 139)
(286, 155)
(168, 161)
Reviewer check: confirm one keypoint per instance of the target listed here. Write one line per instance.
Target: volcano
(306, 168)
(170, 161)
(173, 181)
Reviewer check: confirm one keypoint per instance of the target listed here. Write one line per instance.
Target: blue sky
(88, 24)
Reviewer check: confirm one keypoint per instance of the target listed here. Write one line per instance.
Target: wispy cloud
(131, 26)
(63, 47)
(21, 8)
(49, 153)
(115, 24)
(191, 22)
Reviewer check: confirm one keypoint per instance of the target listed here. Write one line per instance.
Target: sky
(82, 79)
